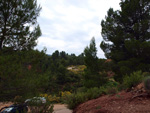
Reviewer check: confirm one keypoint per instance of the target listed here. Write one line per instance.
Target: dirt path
(61, 108)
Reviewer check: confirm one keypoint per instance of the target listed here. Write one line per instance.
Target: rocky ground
(135, 101)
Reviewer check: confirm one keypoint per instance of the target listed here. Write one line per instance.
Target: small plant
(132, 80)
(75, 99)
(64, 95)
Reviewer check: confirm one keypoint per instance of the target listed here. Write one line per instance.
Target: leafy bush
(85, 94)
(77, 98)
(95, 92)
(51, 98)
(111, 83)
(132, 80)
(64, 95)
(147, 83)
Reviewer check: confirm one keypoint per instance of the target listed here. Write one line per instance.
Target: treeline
(66, 59)
(27, 73)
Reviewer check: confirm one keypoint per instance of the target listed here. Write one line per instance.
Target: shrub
(111, 83)
(64, 96)
(50, 98)
(93, 93)
(147, 83)
(77, 98)
(132, 80)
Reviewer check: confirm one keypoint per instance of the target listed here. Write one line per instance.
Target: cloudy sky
(69, 25)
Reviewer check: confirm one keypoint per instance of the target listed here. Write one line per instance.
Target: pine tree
(91, 60)
(126, 35)
(16, 19)
(92, 77)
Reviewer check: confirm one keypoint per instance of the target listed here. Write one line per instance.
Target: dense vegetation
(16, 19)
(126, 35)
(27, 72)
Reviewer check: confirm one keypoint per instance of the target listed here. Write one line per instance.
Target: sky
(69, 25)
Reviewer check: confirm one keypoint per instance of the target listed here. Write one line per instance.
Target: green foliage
(16, 19)
(132, 80)
(60, 78)
(92, 77)
(77, 98)
(147, 83)
(22, 74)
(126, 37)
(111, 86)
(91, 60)
(94, 80)
(84, 94)
(111, 83)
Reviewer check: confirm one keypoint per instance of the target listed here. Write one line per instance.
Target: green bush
(77, 98)
(132, 80)
(111, 83)
(94, 93)
(85, 94)
(147, 83)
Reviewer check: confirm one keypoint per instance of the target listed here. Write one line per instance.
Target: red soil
(122, 102)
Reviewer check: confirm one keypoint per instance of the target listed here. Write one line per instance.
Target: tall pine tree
(16, 19)
(92, 76)
(126, 35)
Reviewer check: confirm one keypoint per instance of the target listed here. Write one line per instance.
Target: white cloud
(69, 25)
(52, 43)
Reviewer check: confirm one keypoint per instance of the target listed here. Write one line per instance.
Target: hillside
(134, 101)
